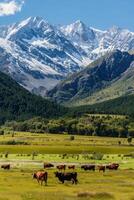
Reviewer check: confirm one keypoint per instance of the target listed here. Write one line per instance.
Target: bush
(72, 137)
(98, 156)
(129, 139)
(14, 142)
(1, 132)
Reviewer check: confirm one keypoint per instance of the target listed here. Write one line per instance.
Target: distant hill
(122, 106)
(18, 103)
(107, 78)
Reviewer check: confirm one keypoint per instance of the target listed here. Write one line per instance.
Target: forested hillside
(18, 103)
(122, 105)
(109, 77)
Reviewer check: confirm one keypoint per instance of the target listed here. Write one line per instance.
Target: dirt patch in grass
(96, 195)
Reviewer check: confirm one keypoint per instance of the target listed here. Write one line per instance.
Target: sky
(101, 14)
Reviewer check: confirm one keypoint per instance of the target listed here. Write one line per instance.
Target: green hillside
(122, 105)
(109, 77)
(18, 103)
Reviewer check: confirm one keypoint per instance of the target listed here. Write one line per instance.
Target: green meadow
(18, 184)
(21, 142)
(26, 152)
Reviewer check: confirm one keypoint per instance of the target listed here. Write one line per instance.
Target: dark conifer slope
(18, 103)
(123, 106)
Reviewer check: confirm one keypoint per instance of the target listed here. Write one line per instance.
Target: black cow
(70, 176)
(88, 167)
(6, 166)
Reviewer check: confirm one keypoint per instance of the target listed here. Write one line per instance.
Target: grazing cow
(71, 166)
(113, 166)
(88, 167)
(41, 176)
(61, 167)
(6, 166)
(70, 176)
(48, 165)
(102, 168)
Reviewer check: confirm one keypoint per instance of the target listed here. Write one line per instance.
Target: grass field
(48, 143)
(17, 184)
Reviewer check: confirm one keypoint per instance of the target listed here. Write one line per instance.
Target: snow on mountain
(94, 42)
(38, 55)
(79, 32)
(40, 52)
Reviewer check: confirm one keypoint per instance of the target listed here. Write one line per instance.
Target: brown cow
(48, 165)
(61, 167)
(102, 168)
(41, 176)
(71, 166)
(113, 166)
(6, 166)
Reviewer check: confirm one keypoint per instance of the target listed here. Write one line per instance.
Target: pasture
(18, 184)
(22, 142)
(26, 152)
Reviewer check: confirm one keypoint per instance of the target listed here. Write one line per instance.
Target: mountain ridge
(95, 78)
(39, 55)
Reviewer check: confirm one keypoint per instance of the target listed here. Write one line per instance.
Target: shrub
(1, 132)
(72, 137)
(98, 156)
(129, 139)
(14, 142)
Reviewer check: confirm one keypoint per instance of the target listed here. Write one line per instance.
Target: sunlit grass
(94, 185)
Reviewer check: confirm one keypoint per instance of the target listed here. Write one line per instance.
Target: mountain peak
(79, 23)
(77, 26)
(24, 27)
(114, 28)
(36, 20)
(78, 31)
(33, 21)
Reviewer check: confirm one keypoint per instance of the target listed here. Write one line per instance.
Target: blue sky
(100, 14)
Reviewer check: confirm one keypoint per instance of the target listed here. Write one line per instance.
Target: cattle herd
(62, 175)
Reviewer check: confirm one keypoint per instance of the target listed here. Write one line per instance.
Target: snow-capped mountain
(95, 43)
(38, 55)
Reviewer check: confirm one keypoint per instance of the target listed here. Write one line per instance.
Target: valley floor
(17, 183)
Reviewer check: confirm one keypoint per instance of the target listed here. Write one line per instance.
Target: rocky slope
(39, 55)
(112, 73)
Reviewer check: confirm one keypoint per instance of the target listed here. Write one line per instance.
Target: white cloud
(10, 7)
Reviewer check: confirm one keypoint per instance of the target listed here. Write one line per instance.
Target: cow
(88, 167)
(113, 166)
(102, 168)
(61, 167)
(6, 166)
(71, 167)
(41, 176)
(48, 165)
(70, 176)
